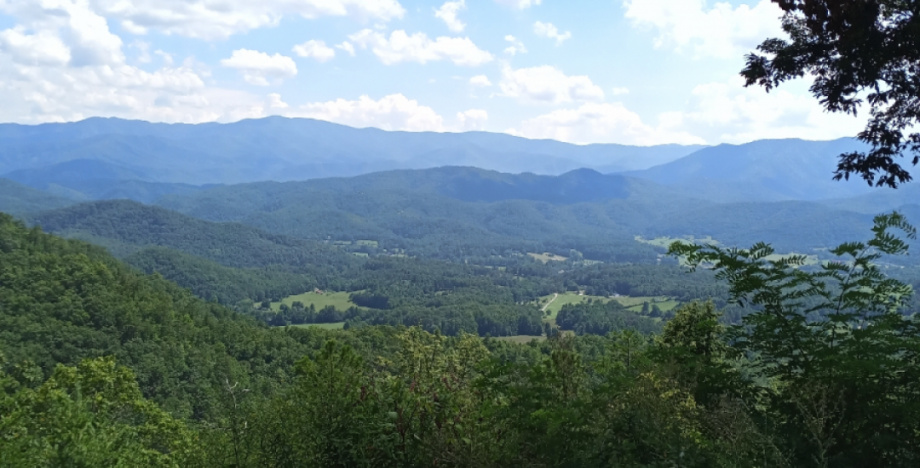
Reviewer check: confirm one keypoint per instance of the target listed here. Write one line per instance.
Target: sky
(639, 72)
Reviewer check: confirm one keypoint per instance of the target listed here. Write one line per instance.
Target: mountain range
(92, 157)
(439, 196)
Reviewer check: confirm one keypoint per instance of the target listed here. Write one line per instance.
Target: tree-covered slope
(455, 211)
(19, 199)
(63, 301)
(132, 226)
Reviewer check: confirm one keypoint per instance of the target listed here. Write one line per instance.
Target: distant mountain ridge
(280, 149)
(765, 170)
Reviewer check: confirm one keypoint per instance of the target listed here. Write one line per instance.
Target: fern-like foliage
(800, 314)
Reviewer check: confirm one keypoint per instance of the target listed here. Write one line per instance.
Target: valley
(467, 281)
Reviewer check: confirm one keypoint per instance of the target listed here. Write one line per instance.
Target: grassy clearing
(634, 304)
(325, 326)
(520, 339)
(666, 241)
(339, 300)
(548, 257)
(809, 259)
(563, 299)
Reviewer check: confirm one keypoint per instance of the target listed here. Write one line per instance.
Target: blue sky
(605, 71)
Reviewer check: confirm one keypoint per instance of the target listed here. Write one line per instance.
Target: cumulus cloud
(600, 123)
(515, 47)
(392, 112)
(519, 4)
(35, 94)
(547, 84)
(548, 30)
(448, 13)
(317, 50)
(63, 63)
(480, 81)
(402, 47)
(258, 67)
(718, 31)
(44, 48)
(347, 47)
(208, 19)
(60, 29)
(729, 112)
(472, 119)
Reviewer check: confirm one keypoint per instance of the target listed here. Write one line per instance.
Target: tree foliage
(858, 52)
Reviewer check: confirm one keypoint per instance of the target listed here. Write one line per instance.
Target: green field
(339, 300)
(664, 303)
(666, 241)
(632, 303)
(326, 326)
(563, 299)
(809, 259)
(548, 257)
(520, 339)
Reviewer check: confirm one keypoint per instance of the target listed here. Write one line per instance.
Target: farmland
(319, 300)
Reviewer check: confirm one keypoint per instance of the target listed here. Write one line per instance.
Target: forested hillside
(189, 383)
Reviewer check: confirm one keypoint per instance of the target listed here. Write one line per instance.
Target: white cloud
(317, 50)
(34, 94)
(720, 31)
(143, 51)
(55, 25)
(729, 112)
(167, 58)
(392, 112)
(516, 47)
(548, 30)
(519, 4)
(401, 47)
(448, 13)
(210, 19)
(480, 81)
(258, 67)
(44, 48)
(347, 47)
(600, 123)
(274, 102)
(547, 84)
(472, 119)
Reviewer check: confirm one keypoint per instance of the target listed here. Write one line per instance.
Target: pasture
(664, 303)
(339, 300)
(325, 326)
(548, 257)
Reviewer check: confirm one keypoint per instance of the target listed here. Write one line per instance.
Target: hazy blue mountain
(467, 206)
(88, 179)
(881, 200)
(18, 199)
(766, 170)
(126, 226)
(285, 149)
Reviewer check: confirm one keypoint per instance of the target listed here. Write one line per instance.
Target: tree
(857, 51)
(842, 361)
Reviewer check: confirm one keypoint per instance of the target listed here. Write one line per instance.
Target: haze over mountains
(479, 191)
(96, 157)
(112, 158)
